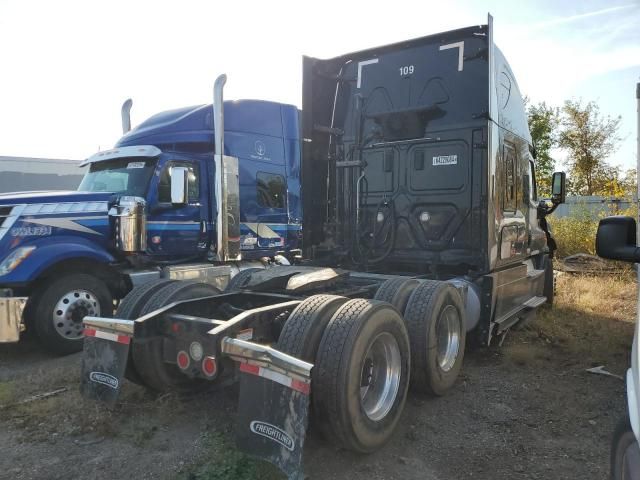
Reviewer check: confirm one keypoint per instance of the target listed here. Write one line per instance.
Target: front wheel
(625, 453)
(59, 306)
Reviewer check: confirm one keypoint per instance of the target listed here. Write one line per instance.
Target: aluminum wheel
(448, 335)
(381, 372)
(71, 309)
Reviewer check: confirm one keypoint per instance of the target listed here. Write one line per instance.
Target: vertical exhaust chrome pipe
(218, 131)
(125, 112)
(218, 113)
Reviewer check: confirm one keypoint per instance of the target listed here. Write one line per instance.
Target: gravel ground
(525, 410)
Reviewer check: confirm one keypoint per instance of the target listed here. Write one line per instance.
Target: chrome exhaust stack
(125, 113)
(218, 113)
(227, 186)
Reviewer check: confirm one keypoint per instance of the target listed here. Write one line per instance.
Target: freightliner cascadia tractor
(422, 232)
(148, 209)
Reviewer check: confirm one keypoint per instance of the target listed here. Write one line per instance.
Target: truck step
(535, 273)
(534, 302)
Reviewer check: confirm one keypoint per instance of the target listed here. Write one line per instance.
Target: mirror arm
(544, 209)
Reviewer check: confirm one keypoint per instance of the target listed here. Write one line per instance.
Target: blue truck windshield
(128, 176)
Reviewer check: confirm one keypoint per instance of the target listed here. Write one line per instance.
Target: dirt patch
(526, 410)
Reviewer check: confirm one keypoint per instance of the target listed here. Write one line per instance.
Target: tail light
(183, 360)
(209, 366)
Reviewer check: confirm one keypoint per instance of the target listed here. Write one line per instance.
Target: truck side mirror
(179, 185)
(616, 239)
(559, 187)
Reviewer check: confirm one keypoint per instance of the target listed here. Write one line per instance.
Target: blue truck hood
(29, 198)
(60, 224)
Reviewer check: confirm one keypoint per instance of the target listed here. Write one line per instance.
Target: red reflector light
(175, 327)
(209, 366)
(183, 360)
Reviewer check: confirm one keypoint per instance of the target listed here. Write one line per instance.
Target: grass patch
(136, 417)
(225, 462)
(591, 323)
(576, 233)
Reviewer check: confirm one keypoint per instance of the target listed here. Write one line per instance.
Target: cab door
(513, 241)
(177, 230)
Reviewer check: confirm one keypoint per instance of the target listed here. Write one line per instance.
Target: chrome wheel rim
(448, 337)
(380, 376)
(71, 309)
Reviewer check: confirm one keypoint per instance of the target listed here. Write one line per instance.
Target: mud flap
(104, 361)
(273, 416)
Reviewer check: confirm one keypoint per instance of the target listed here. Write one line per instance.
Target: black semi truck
(422, 232)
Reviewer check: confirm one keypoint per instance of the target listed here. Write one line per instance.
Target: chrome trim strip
(113, 325)
(171, 222)
(65, 207)
(240, 350)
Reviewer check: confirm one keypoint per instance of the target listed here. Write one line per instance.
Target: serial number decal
(104, 379)
(272, 433)
(30, 231)
(445, 160)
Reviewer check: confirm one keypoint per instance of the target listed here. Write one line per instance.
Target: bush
(577, 232)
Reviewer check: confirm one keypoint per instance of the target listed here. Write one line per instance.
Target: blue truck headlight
(14, 259)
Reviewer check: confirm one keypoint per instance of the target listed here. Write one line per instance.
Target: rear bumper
(11, 324)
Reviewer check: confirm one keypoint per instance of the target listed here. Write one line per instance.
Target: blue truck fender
(48, 254)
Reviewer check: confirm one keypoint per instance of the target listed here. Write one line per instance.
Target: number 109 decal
(407, 70)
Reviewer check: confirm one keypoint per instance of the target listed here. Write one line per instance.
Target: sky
(66, 66)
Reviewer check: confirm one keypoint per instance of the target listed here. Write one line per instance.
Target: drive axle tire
(148, 356)
(59, 306)
(241, 278)
(302, 332)
(130, 308)
(361, 375)
(131, 305)
(435, 320)
(397, 291)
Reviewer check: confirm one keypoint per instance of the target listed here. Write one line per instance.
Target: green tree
(589, 138)
(616, 183)
(544, 121)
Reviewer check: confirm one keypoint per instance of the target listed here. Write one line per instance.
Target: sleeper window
(271, 190)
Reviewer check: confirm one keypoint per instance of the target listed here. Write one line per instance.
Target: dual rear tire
(365, 355)
(434, 315)
(360, 349)
(435, 320)
(147, 365)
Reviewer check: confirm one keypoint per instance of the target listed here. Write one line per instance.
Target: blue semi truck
(148, 209)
